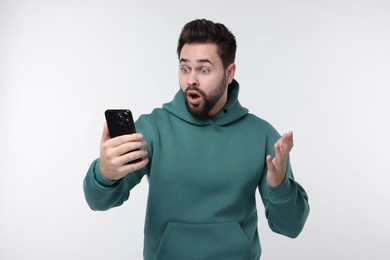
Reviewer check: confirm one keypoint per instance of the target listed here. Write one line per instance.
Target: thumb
(105, 134)
(270, 164)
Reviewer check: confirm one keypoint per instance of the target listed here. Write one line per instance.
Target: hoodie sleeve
(286, 206)
(103, 194)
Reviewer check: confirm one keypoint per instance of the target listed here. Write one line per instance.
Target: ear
(231, 70)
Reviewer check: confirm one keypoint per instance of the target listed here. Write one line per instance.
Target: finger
(286, 143)
(119, 140)
(279, 157)
(105, 134)
(127, 168)
(291, 139)
(130, 146)
(270, 164)
(131, 156)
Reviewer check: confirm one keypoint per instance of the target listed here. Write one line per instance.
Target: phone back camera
(123, 118)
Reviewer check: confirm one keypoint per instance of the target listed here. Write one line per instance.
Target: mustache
(194, 87)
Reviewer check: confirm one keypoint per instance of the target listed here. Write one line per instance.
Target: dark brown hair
(205, 31)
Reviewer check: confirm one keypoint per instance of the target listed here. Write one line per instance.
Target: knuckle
(122, 138)
(105, 145)
(109, 154)
(131, 146)
(122, 172)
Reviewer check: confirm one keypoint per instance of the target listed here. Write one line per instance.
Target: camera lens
(119, 117)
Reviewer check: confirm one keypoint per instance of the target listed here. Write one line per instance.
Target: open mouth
(194, 97)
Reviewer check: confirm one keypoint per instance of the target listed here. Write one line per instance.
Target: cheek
(182, 83)
(211, 83)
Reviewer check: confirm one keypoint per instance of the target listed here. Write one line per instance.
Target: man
(204, 156)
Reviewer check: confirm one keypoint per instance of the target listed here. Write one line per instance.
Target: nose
(192, 79)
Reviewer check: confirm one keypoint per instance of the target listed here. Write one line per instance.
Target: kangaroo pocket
(223, 241)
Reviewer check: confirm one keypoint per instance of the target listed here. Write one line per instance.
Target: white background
(319, 68)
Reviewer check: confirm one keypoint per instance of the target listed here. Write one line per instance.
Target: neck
(219, 105)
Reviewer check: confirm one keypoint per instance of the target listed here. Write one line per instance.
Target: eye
(185, 69)
(204, 70)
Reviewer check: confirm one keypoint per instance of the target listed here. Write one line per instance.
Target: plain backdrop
(319, 68)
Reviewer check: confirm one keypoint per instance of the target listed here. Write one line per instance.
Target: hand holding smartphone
(120, 122)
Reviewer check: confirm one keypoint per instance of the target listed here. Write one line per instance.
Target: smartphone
(120, 122)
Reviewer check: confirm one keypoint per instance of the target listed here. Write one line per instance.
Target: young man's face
(203, 79)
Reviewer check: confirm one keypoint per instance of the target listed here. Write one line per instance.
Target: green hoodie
(203, 177)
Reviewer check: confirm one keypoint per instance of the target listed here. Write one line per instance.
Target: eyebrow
(197, 61)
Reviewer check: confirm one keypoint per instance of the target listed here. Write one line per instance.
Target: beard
(202, 110)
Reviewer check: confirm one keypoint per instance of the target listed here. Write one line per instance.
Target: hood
(232, 111)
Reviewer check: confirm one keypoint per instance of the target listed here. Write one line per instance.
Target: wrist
(275, 181)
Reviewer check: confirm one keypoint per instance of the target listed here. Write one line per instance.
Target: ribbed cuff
(283, 191)
(99, 176)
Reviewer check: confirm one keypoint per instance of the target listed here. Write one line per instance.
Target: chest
(209, 158)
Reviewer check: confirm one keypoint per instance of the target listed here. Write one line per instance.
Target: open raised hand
(277, 165)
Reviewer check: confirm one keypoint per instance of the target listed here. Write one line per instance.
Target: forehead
(196, 51)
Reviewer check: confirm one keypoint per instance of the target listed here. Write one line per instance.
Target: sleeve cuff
(99, 176)
(283, 191)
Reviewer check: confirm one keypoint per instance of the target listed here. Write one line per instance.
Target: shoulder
(149, 123)
(260, 127)
(156, 115)
(259, 122)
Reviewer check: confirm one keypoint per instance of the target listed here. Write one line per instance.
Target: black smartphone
(120, 122)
